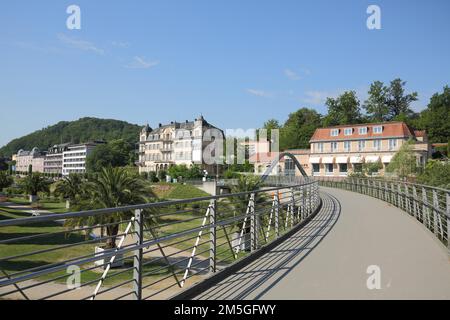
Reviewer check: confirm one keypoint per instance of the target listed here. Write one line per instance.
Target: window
(378, 129)
(347, 146)
(329, 168)
(361, 145)
(334, 146)
(362, 130)
(343, 168)
(392, 144)
(319, 147)
(334, 132)
(377, 145)
(348, 131)
(316, 168)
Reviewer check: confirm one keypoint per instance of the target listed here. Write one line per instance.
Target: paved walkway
(328, 259)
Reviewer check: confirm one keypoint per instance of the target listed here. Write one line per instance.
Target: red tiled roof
(298, 151)
(419, 133)
(264, 157)
(390, 129)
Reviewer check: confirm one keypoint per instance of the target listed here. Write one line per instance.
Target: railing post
(425, 212)
(394, 198)
(381, 191)
(277, 214)
(253, 224)
(302, 204)
(399, 197)
(435, 213)
(447, 200)
(292, 207)
(138, 256)
(387, 194)
(212, 236)
(415, 203)
(407, 200)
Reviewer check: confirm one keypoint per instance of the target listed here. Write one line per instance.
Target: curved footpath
(329, 257)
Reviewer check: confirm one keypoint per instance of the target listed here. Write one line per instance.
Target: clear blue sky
(237, 62)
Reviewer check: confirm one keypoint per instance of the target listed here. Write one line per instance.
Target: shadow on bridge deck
(253, 281)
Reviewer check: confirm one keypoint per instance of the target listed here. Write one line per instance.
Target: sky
(239, 63)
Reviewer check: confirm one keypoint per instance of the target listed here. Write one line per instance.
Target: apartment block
(175, 144)
(53, 162)
(33, 159)
(74, 157)
(340, 150)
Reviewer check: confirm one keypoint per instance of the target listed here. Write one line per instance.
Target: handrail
(89, 213)
(227, 231)
(427, 204)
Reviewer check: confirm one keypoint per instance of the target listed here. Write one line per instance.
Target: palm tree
(35, 183)
(71, 188)
(112, 188)
(246, 183)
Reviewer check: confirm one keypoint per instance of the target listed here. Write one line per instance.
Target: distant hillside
(82, 130)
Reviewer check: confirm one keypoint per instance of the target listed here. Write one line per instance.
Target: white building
(175, 144)
(74, 157)
(53, 162)
(26, 160)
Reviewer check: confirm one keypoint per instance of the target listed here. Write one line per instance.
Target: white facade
(74, 158)
(174, 144)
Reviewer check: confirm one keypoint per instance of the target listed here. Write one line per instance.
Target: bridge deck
(328, 259)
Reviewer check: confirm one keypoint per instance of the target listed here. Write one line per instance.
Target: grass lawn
(177, 191)
(59, 255)
(52, 205)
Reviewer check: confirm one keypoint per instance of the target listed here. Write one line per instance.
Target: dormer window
(377, 129)
(334, 132)
(348, 131)
(362, 131)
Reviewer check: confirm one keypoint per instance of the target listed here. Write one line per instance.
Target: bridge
(346, 238)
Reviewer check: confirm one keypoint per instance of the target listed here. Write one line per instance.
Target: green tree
(435, 119)
(404, 162)
(79, 131)
(34, 183)
(162, 175)
(116, 153)
(270, 125)
(71, 188)
(376, 105)
(370, 168)
(345, 109)
(398, 102)
(245, 184)
(112, 188)
(153, 177)
(5, 180)
(299, 128)
(436, 173)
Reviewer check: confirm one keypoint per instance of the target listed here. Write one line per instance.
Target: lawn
(177, 191)
(54, 241)
(52, 205)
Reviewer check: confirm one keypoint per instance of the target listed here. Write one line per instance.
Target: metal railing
(159, 248)
(428, 205)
